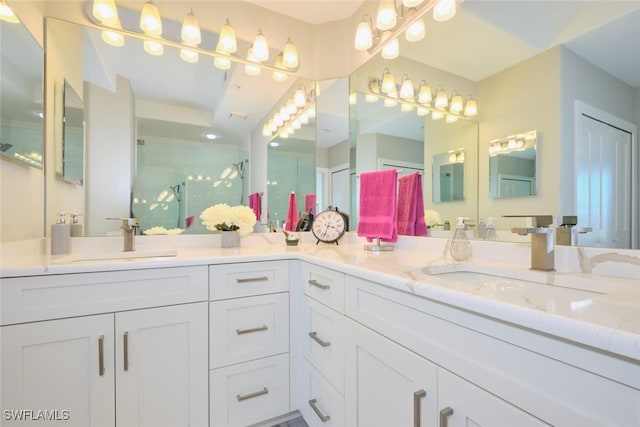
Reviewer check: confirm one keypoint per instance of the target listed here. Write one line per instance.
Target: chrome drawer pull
(314, 336)
(252, 395)
(314, 282)
(248, 331)
(253, 279)
(125, 338)
(444, 415)
(417, 396)
(101, 355)
(323, 418)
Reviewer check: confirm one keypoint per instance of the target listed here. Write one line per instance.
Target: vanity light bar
(295, 112)
(110, 24)
(442, 106)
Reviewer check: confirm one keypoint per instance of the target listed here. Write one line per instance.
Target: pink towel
(411, 206)
(378, 205)
(255, 203)
(310, 203)
(292, 213)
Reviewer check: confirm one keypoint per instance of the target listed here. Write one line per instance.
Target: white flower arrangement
(154, 231)
(227, 218)
(431, 218)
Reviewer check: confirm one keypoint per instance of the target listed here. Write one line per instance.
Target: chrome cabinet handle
(417, 396)
(252, 395)
(252, 279)
(101, 355)
(248, 331)
(125, 339)
(314, 406)
(444, 416)
(314, 336)
(314, 282)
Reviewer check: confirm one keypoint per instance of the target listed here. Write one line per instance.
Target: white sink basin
(121, 255)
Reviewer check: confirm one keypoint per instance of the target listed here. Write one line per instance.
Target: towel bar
(376, 246)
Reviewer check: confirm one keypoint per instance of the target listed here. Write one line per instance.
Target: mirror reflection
(70, 160)
(21, 112)
(447, 174)
(512, 166)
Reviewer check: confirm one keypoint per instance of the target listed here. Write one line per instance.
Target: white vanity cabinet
(133, 366)
(320, 339)
(249, 342)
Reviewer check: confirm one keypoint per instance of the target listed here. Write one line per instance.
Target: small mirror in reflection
(448, 176)
(512, 166)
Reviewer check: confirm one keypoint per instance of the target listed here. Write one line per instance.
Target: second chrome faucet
(542, 244)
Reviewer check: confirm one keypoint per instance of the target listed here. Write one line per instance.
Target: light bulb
(227, 42)
(424, 94)
(421, 111)
(113, 39)
(299, 98)
(386, 18)
(153, 47)
(456, 104)
(260, 47)
(437, 115)
(104, 11)
(221, 63)
(250, 69)
(364, 36)
(391, 50)
(370, 98)
(292, 107)
(290, 55)
(150, 21)
(188, 55)
(416, 31)
(406, 108)
(191, 30)
(444, 10)
(388, 82)
(470, 108)
(451, 118)
(406, 89)
(279, 76)
(441, 98)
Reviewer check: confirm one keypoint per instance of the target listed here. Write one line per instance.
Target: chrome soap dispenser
(60, 236)
(460, 246)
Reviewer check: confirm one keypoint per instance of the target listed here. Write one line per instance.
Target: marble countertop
(594, 310)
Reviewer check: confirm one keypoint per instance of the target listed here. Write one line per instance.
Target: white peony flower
(226, 218)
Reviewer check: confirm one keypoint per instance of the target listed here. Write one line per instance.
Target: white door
(603, 155)
(60, 370)
(162, 366)
(462, 404)
(385, 384)
(340, 188)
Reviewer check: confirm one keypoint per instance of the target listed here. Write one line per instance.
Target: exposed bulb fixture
(188, 55)
(442, 101)
(250, 69)
(104, 11)
(150, 21)
(191, 30)
(391, 49)
(456, 103)
(227, 42)
(451, 118)
(280, 76)
(300, 97)
(437, 115)
(416, 31)
(222, 63)
(153, 47)
(444, 10)
(290, 55)
(364, 34)
(112, 38)
(388, 82)
(387, 17)
(405, 108)
(424, 94)
(260, 47)
(470, 107)
(407, 91)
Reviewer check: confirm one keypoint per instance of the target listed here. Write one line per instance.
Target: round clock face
(328, 226)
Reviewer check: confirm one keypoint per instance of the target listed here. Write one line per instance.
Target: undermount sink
(484, 275)
(120, 255)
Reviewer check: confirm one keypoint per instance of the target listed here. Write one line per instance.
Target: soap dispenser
(490, 233)
(460, 247)
(60, 236)
(76, 227)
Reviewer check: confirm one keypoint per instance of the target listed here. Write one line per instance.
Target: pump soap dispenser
(490, 233)
(60, 236)
(460, 247)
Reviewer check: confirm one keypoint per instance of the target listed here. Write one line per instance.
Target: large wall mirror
(523, 77)
(21, 108)
(180, 132)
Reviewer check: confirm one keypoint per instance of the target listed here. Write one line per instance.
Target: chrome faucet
(568, 230)
(542, 249)
(129, 228)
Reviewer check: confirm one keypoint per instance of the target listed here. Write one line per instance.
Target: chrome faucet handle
(127, 222)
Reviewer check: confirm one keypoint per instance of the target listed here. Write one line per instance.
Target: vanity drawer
(320, 403)
(244, 329)
(249, 392)
(323, 341)
(247, 279)
(27, 299)
(324, 285)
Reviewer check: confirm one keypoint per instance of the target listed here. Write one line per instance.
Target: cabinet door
(461, 403)
(63, 368)
(161, 366)
(385, 384)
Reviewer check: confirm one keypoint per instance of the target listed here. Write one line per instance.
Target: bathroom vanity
(226, 337)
